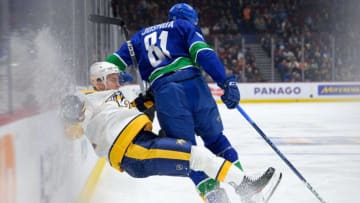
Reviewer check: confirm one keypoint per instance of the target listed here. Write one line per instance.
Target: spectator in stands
(257, 75)
(287, 21)
(249, 56)
(235, 70)
(283, 69)
(247, 20)
(115, 7)
(249, 75)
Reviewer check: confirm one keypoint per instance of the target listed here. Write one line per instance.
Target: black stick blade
(105, 20)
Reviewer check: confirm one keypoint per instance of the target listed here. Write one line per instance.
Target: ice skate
(250, 189)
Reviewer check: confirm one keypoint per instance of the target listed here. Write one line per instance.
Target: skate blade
(269, 190)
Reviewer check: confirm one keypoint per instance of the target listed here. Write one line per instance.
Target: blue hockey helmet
(183, 11)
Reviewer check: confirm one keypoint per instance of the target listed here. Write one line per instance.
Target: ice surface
(321, 140)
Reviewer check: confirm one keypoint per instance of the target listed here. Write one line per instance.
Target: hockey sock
(228, 152)
(238, 164)
(215, 167)
(222, 147)
(206, 186)
(230, 173)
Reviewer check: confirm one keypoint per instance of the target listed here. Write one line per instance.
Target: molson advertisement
(334, 89)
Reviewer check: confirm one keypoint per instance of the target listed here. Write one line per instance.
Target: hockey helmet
(99, 71)
(183, 11)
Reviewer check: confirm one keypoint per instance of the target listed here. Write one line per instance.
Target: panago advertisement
(294, 92)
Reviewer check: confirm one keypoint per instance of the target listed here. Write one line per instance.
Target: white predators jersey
(107, 114)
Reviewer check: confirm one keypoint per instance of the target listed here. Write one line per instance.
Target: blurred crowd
(318, 39)
(313, 40)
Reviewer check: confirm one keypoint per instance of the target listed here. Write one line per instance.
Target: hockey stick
(133, 59)
(119, 22)
(105, 20)
(298, 174)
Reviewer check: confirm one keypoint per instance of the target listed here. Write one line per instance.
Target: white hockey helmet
(99, 71)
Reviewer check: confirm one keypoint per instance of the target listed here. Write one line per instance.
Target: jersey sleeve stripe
(117, 60)
(196, 47)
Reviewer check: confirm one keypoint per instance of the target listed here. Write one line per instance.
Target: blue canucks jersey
(169, 47)
(171, 56)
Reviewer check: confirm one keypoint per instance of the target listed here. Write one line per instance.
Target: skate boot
(250, 189)
(211, 192)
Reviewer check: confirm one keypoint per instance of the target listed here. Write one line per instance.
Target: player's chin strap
(298, 174)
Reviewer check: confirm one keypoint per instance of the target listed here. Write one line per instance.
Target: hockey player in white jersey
(123, 134)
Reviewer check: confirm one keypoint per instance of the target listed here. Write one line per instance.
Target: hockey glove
(72, 109)
(145, 104)
(73, 130)
(125, 77)
(231, 96)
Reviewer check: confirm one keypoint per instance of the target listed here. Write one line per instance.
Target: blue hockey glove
(125, 77)
(231, 96)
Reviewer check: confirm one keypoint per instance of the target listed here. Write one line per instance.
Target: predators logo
(119, 98)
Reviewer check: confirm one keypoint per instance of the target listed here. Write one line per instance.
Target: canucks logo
(180, 141)
(119, 98)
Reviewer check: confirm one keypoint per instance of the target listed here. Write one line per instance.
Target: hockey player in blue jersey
(121, 133)
(171, 57)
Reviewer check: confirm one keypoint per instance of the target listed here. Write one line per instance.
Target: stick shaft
(292, 167)
(133, 58)
(119, 22)
(105, 20)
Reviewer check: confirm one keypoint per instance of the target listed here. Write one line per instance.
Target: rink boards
(39, 164)
(294, 92)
